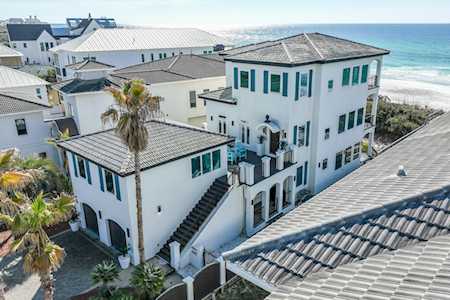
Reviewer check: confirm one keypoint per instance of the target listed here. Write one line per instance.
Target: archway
(90, 217)
(117, 235)
(258, 208)
(273, 201)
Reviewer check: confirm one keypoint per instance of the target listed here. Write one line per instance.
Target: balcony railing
(373, 82)
(369, 122)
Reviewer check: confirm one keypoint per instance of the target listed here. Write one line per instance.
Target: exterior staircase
(196, 217)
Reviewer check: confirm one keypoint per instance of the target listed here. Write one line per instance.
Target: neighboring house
(379, 233)
(123, 47)
(23, 126)
(33, 41)
(102, 174)
(10, 57)
(80, 26)
(88, 69)
(21, 84)
(179, 80)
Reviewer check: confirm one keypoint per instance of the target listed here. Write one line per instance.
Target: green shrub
(147, 280)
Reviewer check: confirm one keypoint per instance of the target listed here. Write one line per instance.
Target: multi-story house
(80, 26)
(123, 47)
(33, 41)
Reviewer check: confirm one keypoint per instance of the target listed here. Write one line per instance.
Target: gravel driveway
(72, 279)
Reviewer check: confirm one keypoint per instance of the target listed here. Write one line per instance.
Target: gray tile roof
(302, 49)
(27, 32)
(370, 210)
(89, 65)
(167, 142)
(420, 271)
(11, 104)
(67, 124)
(77, 85)
(224, 95)
(176, 68)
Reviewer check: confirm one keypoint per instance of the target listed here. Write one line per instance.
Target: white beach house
(10, 57)
(295, 109)
(123, 47)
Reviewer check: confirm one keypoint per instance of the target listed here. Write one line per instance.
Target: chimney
(401, 171)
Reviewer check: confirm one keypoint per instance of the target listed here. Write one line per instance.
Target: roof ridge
(287, 51)
(351, 41)
(314, 46)
(173, 62)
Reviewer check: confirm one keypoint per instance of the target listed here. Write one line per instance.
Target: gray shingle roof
(224, 95)
(305, 48)
(369, 210)
(167, 142)
(176, 68)
(11, 104)
(27, 32)
(420, 271)
(77, 85)
(89, 65)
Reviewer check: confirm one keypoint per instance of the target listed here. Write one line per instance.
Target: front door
(91, 219)
(117, 235)
(274, 142)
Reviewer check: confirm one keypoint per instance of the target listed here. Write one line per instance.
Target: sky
(212, 14)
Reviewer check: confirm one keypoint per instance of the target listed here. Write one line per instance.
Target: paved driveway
(72, 279)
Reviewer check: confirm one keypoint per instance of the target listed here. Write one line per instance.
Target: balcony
(373, 83)
(369, 122)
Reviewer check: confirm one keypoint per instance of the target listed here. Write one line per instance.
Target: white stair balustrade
(266, 166)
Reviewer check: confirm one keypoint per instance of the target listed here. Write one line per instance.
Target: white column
(174, 254)
(280, 196)
(223, 270)
(293, 150)
(280, 159)
(250, 174)
(189, 287)
(242, 171)
(266, 166)
(266, 205)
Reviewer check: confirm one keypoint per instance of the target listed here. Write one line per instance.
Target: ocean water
(416, 71)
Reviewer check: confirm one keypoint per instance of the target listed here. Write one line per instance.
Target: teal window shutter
(305, 178)
(355, 78)
(236, 78)
(346, 77)
(297, 84)
(299, 176)
(252, 80)
(308, 125)
(310, 83)
(117, 184)
(364, 73)
(88, 171)
(100, 178)
(74, 161)
(295, 135)
(266, 82)
(285, 84)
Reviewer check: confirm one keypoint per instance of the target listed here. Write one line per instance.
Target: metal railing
(373, 82)
(369, 122)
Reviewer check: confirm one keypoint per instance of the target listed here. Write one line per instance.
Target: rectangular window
(24, 45)
(165, 55)
(327, 134)
(338, 163)
(310, 83)
(324, 163)
(206, 163)
(192, 99)
(160, 56)
(46, 46)
(266, 82)
(74, 162)
(235, 78)
(341, 127)
(195, 167)
(100, 178)
(64, 72)
(359, 119)
(142, 57)
(38, 93)
(297, 85)
(364, 73)
(299, 180)
(285, 84)
(109, 181)
(305, 178)
(51, 44)
(117, 184)
(21, 126)
(330, 85)
(351, 120)
(348, 155)
(42, 47)
(275, 83)
(355, 77)
(303, 84)
(295, 135)
(356, 151)
(152, 57)
(252, 80)
(346, 77)
(308, 125)
(216, 159)
(301, 136)
(81, 167)
(244, 79)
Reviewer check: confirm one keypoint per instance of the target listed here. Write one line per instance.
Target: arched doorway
(90, 217)
(273, 201)
(258, 208)
(117, 235)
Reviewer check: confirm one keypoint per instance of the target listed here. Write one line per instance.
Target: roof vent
(401, 171)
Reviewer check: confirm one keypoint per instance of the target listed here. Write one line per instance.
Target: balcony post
(250, 174)
(242, 167)
(175, 255)
(266, 166)
(280, 159)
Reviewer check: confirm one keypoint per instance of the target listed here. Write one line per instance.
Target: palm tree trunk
(47, 285)
(137, 178)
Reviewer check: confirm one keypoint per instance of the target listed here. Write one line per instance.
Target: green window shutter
(351, 120)
(341, 127)
(299, 180)
(252, 80)
(285, 84)
(117, 184)
(244, 79)
(295, 135)
(236, 78)
(275, 83)
(364, 73)
(74, 161)
(346, 77)
(266, 82)
(310, 83)
(355, 77)
(297, 84)
(88, 171)
(308, 125)
(360, 117)
(100, 178)
(305, 178)
(196, 167)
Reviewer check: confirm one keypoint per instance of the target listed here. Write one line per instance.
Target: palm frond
(111, 114)
(11, 180)
(6, 157)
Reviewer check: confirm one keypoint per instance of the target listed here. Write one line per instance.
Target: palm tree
(133, 107)
(27, 224)
(147, 280)
(105, 274)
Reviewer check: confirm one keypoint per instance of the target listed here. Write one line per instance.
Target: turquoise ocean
(417, 70)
